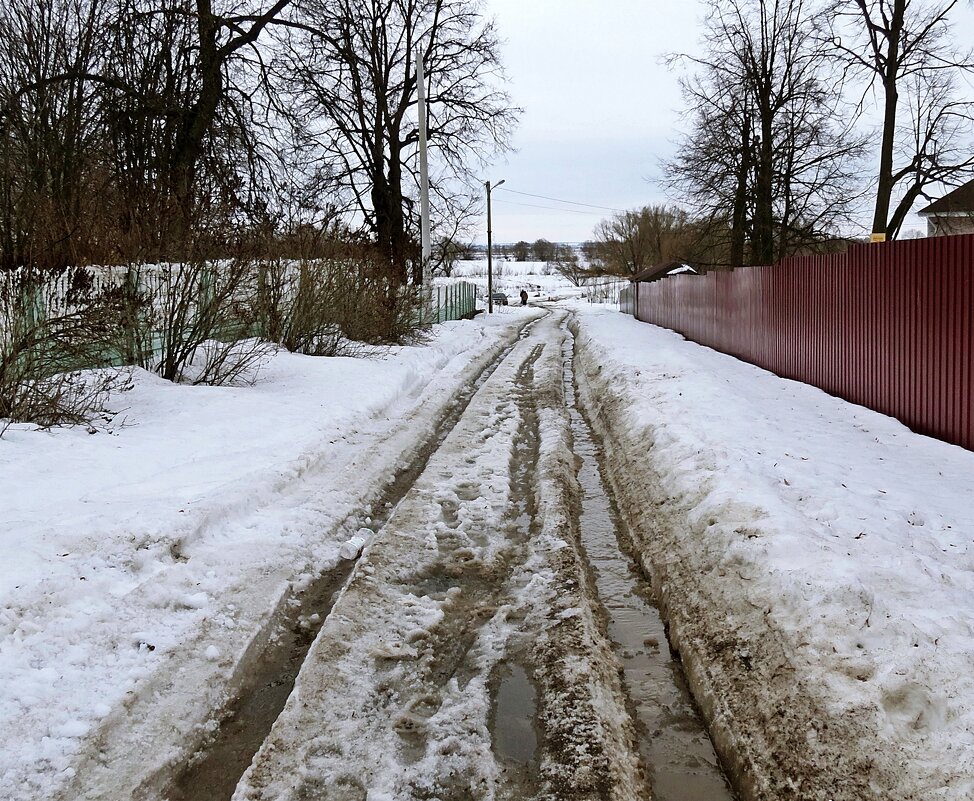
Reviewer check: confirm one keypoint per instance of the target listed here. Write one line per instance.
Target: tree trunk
(762, 243)
(739, 213)
(390, 221)
(884, 183)
(196, 122)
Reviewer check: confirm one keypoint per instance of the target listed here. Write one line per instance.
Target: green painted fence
(456, 301)
(24, 304)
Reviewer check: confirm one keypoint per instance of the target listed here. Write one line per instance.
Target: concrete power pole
(424, 178)
(490, 255)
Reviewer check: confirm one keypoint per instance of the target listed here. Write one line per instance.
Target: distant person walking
(524, 297)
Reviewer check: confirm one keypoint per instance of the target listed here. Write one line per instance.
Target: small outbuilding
(952, 214)
(658, 271)
(630, 296)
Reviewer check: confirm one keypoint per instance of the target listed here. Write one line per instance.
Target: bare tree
(631, 241)
(356, 92)
(521, 250)
(49, 145)
(447, 251)
(904, 50)
(625, 245)
(122, 123)
(133, 129)
(567, 264)
(183, 127)
(769, 158)
(543, 250)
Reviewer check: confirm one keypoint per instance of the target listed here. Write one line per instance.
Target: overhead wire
(550, 208)
(561, 200)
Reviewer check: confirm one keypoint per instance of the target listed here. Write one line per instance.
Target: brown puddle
(514, 736)
(673, 743)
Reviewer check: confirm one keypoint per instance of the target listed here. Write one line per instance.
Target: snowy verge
(145, 562)
(815, 561)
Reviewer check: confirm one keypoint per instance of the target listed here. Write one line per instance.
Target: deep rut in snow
(674, 746)
(213, 773)
(513, 716)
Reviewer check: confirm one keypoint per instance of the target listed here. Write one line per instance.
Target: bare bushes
(63, 337)
(376, 309)
(193, 322)
(567, 264)
(48, 342)
(334, 307)
(303, 309)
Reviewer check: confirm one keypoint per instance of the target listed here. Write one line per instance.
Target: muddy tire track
(676, 750)
(588, 739)
(404, 650)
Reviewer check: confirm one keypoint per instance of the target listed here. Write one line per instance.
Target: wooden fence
(887, 326)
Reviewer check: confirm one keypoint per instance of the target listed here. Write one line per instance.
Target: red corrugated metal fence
(885, 326)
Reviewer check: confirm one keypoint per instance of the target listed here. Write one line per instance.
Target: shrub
(48, 344)
(334, 307)
(192, 322)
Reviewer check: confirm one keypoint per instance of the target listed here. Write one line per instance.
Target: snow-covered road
(472, 579)
(811, 558)
(479, 581)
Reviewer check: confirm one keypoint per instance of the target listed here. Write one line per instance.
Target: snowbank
(815, 560)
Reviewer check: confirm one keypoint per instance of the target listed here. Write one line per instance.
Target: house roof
(658, 271)
(960, 201)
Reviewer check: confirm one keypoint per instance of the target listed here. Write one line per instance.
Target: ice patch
(352, 547)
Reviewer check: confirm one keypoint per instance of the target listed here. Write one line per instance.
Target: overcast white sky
(600, 109)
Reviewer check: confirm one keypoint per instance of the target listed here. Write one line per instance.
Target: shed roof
(960, 201)
(658, 271)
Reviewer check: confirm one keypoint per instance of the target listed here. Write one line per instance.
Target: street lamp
(490, 262)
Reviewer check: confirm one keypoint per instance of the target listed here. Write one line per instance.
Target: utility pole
(490, 261)
(424, 177)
